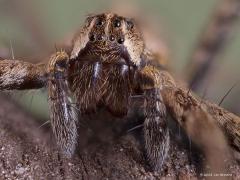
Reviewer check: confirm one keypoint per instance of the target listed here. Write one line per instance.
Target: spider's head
(109, 35)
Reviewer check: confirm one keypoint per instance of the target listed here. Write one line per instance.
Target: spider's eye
(92, 37)
(100, 37)
(120, 40)
(117, 23)
(111, 38)
(99, 22)
(130, 24)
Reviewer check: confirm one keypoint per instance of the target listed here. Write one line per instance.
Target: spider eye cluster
(115, 24)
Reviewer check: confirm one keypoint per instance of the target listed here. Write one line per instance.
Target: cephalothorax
(106, 53)
(108, 64)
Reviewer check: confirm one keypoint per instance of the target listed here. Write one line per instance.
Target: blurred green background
(32, 27)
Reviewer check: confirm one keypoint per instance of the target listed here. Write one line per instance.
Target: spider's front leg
(156, 132)
(20, 75)
(62, 111)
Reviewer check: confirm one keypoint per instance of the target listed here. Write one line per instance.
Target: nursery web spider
(109, 64)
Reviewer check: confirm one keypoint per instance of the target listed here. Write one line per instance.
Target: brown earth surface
(29, 152)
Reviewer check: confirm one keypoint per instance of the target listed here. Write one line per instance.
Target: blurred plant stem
(212, 42)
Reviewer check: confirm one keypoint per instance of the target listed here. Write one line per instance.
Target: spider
(108, 65)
